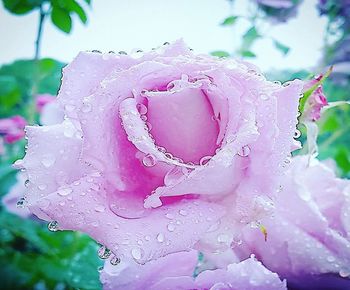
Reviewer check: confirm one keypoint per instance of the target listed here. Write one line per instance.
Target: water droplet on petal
(344, 273)
(297, 134)
(136, 253)
(160, 237)
(171, 227)
(204, 160)
(69, 107)
(115, 260)
(64, 191)
(244, 151)
(42, 186)
(264, 96)
(149, 160)
(48, 160)
(53, 226)
(141, 108)
(21, 203)
(169, 216)
(103, 252)
(100, 208)
(26, 183)
(183, 212)
(330, 259)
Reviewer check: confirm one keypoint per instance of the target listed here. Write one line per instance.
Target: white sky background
(124, 25)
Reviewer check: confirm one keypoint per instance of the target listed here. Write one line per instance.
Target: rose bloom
(42, 100)
(12, 128)
(161, 152)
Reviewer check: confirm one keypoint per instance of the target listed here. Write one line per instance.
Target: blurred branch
(42, 15)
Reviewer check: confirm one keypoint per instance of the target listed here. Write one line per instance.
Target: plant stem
(40, 29)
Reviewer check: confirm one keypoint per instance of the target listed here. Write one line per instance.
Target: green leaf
(21, 6)
(74, 6)
(248, 53)
(343, 159)
(281, 47)
(88, 1)
(10, 92)
(249, 38)
(61, 19)
(230, 21)
(220, 53)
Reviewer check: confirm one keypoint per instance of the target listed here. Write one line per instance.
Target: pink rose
(176, 271)
(42, 100)
(12, 128)
(316, 101)
(161, 152)
(309, 236)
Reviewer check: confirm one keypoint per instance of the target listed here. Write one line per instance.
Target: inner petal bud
(183, 123)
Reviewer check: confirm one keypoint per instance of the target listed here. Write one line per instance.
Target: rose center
(182, 122)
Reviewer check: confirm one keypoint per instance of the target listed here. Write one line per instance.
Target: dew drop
(26, 183)
(115, 260)
(204, 160)
(244, 151)
(171, 227)
(141, 108)
(344, 273)
(160, 237)
(64, 191)
(42, 186)
(297, 134)
(169, 216)
(330, 259)
(223, 238)
(183, 212)
(100, 208)
(48, 160)
(53, 226)
(136, 253)
(103, 252)
(21, 203)
(264, 96)
(149, 160)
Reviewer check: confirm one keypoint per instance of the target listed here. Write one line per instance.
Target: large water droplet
(115, 260)
(141, 108)
(52, 226)
(103, 252)
(136, 253)
(204, 160)
(64, 191)
(48, 160)
(171, 227)
(160, 237)
(100, 208)
(149, 160)
(244, 151)
(297, 134)
(344, 273)
(21, 203)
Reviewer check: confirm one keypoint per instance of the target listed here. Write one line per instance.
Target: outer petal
(308, 232)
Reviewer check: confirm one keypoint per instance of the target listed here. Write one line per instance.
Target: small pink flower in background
(176, 271)
(316, 101)
(42, 100)
(12, 128)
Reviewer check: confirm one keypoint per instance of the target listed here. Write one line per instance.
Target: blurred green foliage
(32, 257)
(60, 11)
